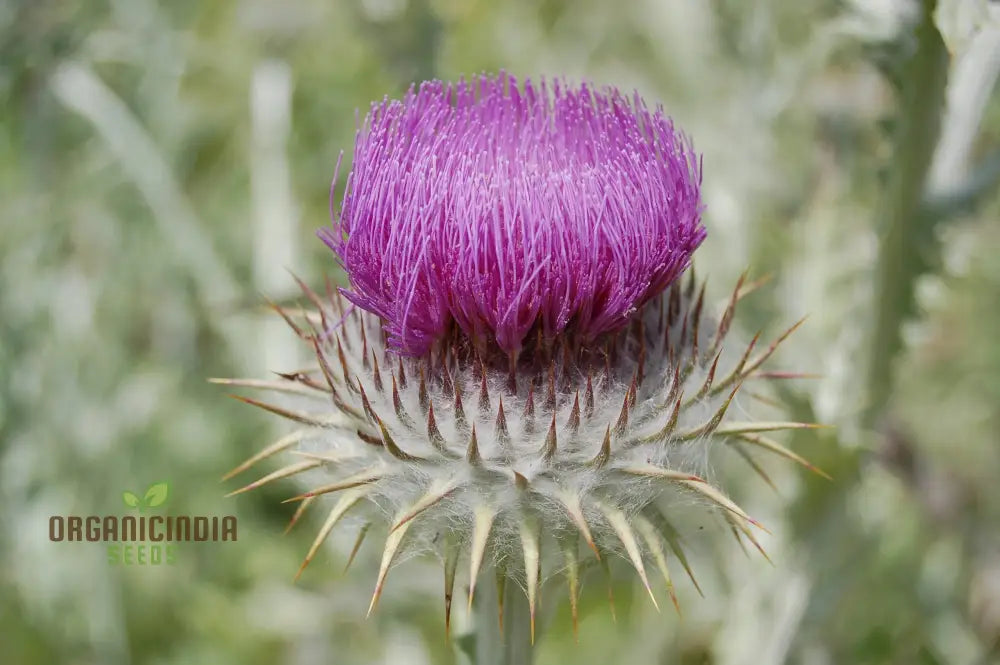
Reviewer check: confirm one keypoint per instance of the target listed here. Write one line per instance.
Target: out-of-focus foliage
(161, 163)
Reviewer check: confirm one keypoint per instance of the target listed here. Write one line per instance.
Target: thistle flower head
(518, 368)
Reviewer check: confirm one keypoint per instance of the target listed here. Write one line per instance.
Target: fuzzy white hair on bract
(515, 463)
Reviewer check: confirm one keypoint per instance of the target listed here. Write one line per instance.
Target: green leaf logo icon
(156, 495)
(131, 500)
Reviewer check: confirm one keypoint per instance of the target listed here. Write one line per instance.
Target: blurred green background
(162, 165)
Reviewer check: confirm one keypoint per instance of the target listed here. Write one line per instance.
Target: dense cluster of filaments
(508, 210)
(516, 367)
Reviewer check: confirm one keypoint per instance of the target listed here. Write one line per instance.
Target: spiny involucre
(517, 366)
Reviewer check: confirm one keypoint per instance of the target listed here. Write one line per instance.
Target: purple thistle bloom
(484, 220)
(513, 211)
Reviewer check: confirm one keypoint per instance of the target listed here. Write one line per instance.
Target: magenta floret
(503, 208)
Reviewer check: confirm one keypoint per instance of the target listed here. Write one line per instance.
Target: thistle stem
(922, 94)
(510, 645)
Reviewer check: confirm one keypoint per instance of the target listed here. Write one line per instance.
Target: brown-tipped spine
(529, 410)
(366, 405)
(434, 434)
(472, 455)
(484, 394)
(573, 423)
(707, 385)
(397, 405)
(622, 423)
(390, 444)
(502, 434)
(604, 454)
(549, 449)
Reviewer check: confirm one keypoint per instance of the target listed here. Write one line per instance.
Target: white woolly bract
(516, 459)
